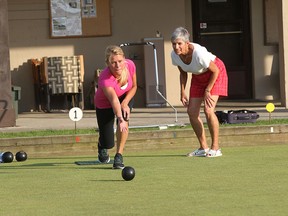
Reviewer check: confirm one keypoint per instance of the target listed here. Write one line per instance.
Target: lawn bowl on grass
(128, 173)
(21, 156)
(6, 157)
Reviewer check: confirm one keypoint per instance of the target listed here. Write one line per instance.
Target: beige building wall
(283, 47)
(265, 57)
(131, 21)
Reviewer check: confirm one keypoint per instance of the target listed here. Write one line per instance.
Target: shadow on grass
(107, 180)
(56, 166)
(86, 164)
(35, 166)
(154, 156)
(95, 167)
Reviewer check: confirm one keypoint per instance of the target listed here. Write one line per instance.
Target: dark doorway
(223, 27)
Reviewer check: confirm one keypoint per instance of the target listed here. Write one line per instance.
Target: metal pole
(156, 70)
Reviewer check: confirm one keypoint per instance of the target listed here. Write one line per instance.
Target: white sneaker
(214, 153)
(198, 153)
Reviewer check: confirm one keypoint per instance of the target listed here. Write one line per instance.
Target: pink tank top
(106, 79)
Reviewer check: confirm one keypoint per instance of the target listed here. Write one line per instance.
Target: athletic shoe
(103, 155)
(214, 153)
(198, 153)
(118, 162)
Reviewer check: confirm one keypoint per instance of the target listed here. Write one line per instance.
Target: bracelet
(206, 90)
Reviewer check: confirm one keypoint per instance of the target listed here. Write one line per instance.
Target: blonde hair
(116, 50)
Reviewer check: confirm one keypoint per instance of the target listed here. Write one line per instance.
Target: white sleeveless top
(201, 59)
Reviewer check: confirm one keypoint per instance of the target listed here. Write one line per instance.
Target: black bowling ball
(128, 173)
(7, 157)
(21, 156)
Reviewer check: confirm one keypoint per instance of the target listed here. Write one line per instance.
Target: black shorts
(106, 120)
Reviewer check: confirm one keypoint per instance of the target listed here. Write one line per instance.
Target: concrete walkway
(141, 117)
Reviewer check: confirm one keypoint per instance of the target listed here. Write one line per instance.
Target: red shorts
(200, 82)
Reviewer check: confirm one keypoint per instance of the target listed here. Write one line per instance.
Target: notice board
(79, 18)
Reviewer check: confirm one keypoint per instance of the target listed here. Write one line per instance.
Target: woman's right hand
(184, 100)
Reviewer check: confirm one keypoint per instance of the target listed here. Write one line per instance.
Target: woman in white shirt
(209, 81)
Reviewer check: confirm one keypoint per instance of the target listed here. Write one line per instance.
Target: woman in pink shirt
(209, 81)
(117, 86)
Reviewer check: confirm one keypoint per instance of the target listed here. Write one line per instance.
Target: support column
(283, 51)
(7, 113)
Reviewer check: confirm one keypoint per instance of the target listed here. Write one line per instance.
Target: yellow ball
(270, 107)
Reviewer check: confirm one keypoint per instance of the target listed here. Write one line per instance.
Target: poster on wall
(79, 18)
(66, 17)
(88, 8)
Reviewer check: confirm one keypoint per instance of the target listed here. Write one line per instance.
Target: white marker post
(75, 114)
(270, 108)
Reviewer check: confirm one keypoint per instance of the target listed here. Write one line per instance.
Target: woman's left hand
(126, 112)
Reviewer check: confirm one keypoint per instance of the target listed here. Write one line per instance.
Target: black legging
(105, 120)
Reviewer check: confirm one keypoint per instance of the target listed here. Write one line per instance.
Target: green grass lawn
(245, 181)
